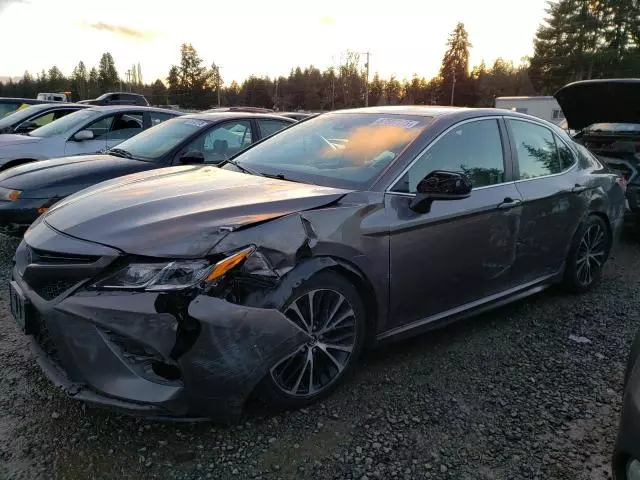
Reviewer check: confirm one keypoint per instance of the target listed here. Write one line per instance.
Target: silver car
(86, 131)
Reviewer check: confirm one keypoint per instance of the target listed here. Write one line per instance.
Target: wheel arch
(309, 267)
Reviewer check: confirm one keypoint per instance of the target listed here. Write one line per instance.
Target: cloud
(122, 30)
(5, 3)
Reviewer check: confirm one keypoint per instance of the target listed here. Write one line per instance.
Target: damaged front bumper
(173, 355)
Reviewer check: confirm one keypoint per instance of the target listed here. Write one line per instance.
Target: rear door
(553, 189)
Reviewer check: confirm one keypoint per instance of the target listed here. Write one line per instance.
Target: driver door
(100, 129)
(461, 251)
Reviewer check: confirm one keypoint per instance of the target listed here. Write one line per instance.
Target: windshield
(18, 116)
(66, 124)
(156, 141)
(614, 127)
(344, 150)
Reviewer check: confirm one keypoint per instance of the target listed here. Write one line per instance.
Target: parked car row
(181, 139)
(215, 255)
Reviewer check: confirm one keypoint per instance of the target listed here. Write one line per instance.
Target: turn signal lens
(41, 210)
(223, 266)
(9, 195)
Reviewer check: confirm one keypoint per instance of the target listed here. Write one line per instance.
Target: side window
(222, 141)
(536, 149)
(473, 148)
(62, 113)
(159, 117)
(101, 127)
(269, 127)
(126, 125)
(42, 120)
(567, 158)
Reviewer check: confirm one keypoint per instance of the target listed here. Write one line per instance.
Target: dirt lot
(506, 395)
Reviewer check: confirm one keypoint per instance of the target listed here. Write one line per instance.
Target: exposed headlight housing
(173, 275)
(9, 195)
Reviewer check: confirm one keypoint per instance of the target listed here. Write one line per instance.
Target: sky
(260, 37)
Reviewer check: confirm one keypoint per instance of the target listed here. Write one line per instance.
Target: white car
(90, 130)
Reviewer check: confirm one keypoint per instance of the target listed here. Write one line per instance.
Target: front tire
(330, 309)
(587, 255)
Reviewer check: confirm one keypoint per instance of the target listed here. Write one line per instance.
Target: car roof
(216, 116)
(423, 110)
(22, 100)
(61, 105)
(126, 108)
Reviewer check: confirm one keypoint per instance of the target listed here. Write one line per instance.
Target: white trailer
(546, 108)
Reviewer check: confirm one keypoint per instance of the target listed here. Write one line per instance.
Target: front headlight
(175, 275)
(8, 195)
(633, 470)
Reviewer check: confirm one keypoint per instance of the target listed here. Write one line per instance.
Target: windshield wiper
(280, 176)
(244, 169)
(118, 152)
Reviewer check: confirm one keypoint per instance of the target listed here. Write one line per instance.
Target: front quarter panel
(350, 236)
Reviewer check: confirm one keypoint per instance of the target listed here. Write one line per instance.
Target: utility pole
(366, 83)
(128, 75)
(216, 69)
(333, 81)
(453, 85)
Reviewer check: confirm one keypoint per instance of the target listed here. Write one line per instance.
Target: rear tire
(337, 323)
(587, 255)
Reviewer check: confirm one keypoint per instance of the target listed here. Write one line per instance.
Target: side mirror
(193, 157)
(26, 127)
(83, 135)
(440, 185)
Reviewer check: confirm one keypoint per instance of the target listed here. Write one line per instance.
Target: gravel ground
(506, 395)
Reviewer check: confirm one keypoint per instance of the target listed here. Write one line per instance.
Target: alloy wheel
(330, 321)
(592, 253)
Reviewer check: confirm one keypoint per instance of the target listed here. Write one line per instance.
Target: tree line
(579, 39)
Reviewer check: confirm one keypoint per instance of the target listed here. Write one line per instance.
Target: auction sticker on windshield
(395, 122)
(196, 123)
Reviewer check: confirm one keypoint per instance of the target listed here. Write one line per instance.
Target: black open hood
(600, 101)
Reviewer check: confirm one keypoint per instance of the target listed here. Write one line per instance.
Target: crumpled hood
(180, 212)
(60, 177)
(600, 101)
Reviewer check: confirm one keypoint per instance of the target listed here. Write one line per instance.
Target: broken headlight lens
(175, 275)
(158, 276)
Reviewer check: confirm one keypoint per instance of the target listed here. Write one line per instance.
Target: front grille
(50, 290)
(43, 337)
(45, 257)
(50, 274)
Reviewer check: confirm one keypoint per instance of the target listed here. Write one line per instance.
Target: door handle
(578, 188)
(509, 203)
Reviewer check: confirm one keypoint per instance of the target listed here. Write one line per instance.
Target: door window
(42, 120)
(222, 141)
(536, 149)
(101, 127)
(473, 148)
(269, 127)
(159, 117)
(126, 126)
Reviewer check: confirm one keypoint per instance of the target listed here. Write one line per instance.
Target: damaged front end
(125, 341)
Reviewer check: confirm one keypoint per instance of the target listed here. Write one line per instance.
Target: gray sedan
(180, 291)
(90, 130)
